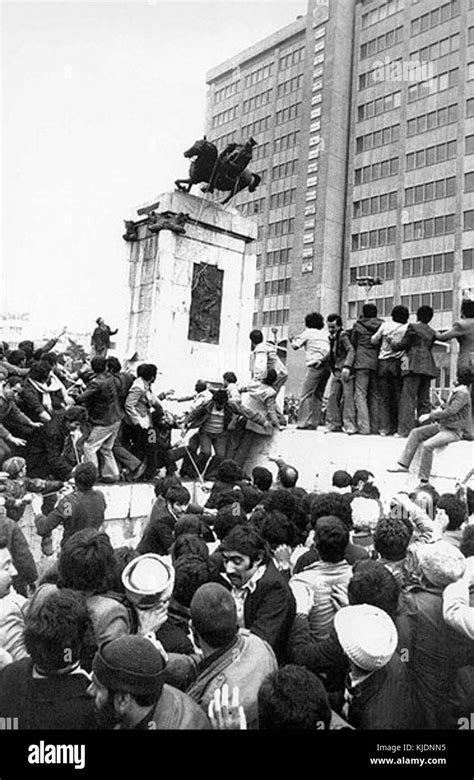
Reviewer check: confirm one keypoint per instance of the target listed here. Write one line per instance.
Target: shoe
(305, 427)
(352, 433)
(399, 436)
(399, 469)
(383, 433)
(333, 430)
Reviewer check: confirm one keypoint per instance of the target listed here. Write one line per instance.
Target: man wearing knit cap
(130, 693)
(377, 691)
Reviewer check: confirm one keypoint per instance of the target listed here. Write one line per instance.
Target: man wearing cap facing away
(129, 690)
(377, 692)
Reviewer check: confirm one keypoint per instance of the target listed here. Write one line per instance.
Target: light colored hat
(148, 580)
(367, 635)
(441, 563)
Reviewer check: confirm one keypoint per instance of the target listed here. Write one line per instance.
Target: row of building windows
(385, 271)
(286, 141)
(284, 169)
(384, 307)
(259, 126)
(222, 140)
(446, 80)
(424, 265)
(427, 228)
(257, 101)
(289, 86)
(431, 155)
(387, 135)
(374, 205)
(381, 12)
(438, 48)
(225, 116)
(253, 207)
(378, 106)
(431, 190)
(225, 92)
(277, 287)
(292, 58)
(259, 74)
(369, 239)
(432, 120)
(283, 198)
(438, 16)
(381, 42)
(378, 170)
(276, 317)
(278, 257)
(288, 113)
(261, 151)
(439, 301)
(281, 228)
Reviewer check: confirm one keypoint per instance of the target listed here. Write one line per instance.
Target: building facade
(364, 117)
(410, 184)
(291, 92)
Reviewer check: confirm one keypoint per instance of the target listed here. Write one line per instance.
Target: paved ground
(317, 455)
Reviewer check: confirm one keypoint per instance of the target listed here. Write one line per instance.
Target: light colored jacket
(315, 343)
(261, 400)
(245, 664)
(457, 610)
(321, 577)
(139, 404)
(12, 624)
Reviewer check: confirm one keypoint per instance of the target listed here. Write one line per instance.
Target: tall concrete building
(291, 92)
(410, 193)
(364, 115)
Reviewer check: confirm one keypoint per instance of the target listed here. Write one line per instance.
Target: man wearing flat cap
(129, 690)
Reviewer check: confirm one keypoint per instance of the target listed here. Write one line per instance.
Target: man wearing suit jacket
(264, 601)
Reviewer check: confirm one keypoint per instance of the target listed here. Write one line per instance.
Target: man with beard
(129, 690)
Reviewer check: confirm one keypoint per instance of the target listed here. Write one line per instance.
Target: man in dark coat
(367, 392)
(57, 448)
(83, 508)
(100, 339)
(158, 535)
(264, 601)
(102, 403)
(341, 407)
(48, 689)
(419, 370)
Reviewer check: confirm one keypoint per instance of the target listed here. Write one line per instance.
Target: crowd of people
(265, 606)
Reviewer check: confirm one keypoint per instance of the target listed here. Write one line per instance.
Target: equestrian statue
(226, 171)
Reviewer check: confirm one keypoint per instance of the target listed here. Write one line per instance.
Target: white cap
(367, 635)
(148, 580)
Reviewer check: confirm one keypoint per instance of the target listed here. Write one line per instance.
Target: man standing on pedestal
(315, 341)
(100, 339)
(341, 406)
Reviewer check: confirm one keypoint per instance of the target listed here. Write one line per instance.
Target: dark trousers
(367, 400)
(390, 380)
(249, 440)
(341, 407)
(414, 401)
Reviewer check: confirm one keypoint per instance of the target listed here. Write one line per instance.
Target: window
(469, 220)
(468, 259)
(469, 181)
(470, 144)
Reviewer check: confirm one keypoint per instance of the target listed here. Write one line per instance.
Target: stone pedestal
(191, 292)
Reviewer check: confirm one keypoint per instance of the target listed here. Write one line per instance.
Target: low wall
(315, 454)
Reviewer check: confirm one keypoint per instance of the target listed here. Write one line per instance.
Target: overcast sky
(99, 100)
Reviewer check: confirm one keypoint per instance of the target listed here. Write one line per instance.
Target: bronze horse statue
(224, 172)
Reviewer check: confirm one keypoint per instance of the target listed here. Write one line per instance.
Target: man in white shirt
(315, 341)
